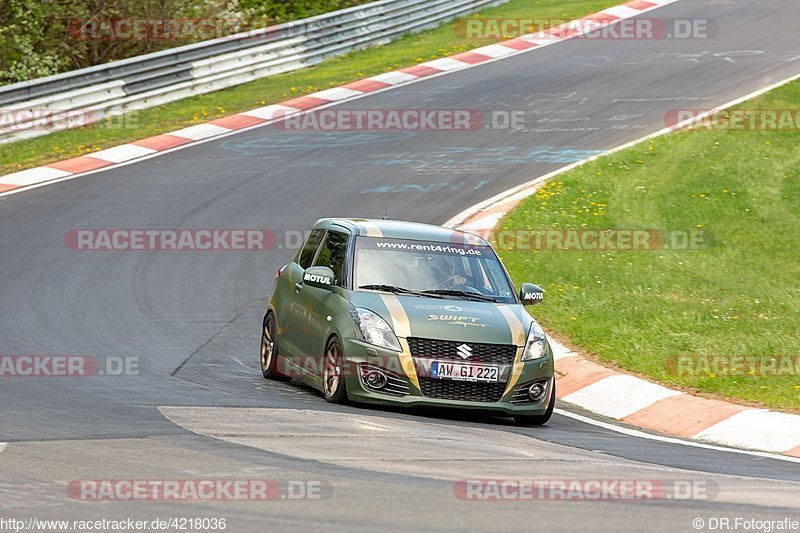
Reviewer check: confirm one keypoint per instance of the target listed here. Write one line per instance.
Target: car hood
(448, 319)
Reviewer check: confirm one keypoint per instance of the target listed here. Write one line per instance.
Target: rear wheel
(538, 420)
(333, 382)
(269, 350)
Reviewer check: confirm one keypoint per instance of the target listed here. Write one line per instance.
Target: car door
(288, 305)
(319, 303)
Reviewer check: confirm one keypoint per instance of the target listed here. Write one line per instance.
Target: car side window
(333, 254)
(494, 275)
(310, 248)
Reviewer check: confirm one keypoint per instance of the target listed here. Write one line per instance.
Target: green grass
(738, 295)
(409, 50)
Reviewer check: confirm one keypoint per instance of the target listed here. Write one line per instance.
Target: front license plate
(462, 372)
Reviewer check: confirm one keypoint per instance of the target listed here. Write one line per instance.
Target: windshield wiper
(463, 294)
(396, 290)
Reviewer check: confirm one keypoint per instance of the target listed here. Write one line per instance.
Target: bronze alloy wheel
(269, 352)
(333, 382)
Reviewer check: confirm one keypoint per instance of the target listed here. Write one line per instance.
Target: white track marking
(2, 446)
(670, 440)
(756, 428)
(494, 50)
(123, 152)
(200, 131)
(540, 39)
(268, 112)
(623, 12)
(394, 78)
(619, 396)
(447, 64)
(559, 350)
(34, 175)
(484, 223)
(335, 94)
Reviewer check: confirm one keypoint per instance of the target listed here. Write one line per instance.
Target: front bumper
(409, 372)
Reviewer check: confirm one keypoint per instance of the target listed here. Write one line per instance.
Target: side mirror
(531, 294)
(318, 276)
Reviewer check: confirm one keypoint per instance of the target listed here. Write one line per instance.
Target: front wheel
(538, 420)
(269, 350)
(333, 382)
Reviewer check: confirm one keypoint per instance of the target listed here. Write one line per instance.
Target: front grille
(465, 391)
(481, 353)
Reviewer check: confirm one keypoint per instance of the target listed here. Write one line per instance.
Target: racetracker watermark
(195, 240)
(584, 489)
(49, 120)
(168, 29)
(596, 240)
(733, 365)
(67, 366)
(304, 365)
(331, 120)
(734, 119)
(637, 29)
(198, 490)
(119, 524)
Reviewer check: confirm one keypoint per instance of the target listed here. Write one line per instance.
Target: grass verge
(681, 316)
(404, 52)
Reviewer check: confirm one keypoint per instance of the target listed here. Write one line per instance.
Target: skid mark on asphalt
(392, 446)
(31, 494)
(435, 451)
(476, 155)
(268, 146)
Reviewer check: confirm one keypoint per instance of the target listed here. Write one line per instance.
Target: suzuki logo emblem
(465, 351)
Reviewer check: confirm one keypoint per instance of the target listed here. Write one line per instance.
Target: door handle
(298, 286)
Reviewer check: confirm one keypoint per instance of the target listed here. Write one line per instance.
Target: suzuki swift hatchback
(391, 312)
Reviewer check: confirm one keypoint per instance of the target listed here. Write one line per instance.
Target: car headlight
(535, 344)
(373, 329)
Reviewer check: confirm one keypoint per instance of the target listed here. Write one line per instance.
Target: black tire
(334, 385)
(269, 350)
(538, 420)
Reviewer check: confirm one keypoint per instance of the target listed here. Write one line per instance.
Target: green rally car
(391, 312)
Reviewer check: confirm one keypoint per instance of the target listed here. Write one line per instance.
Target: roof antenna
(385, 210)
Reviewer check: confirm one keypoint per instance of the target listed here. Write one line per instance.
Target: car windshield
(437, 269)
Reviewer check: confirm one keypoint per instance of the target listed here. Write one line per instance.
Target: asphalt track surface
(193, 319)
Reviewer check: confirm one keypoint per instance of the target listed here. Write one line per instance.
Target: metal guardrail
(87, 95)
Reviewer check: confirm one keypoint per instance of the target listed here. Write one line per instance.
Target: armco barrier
(154, 79)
